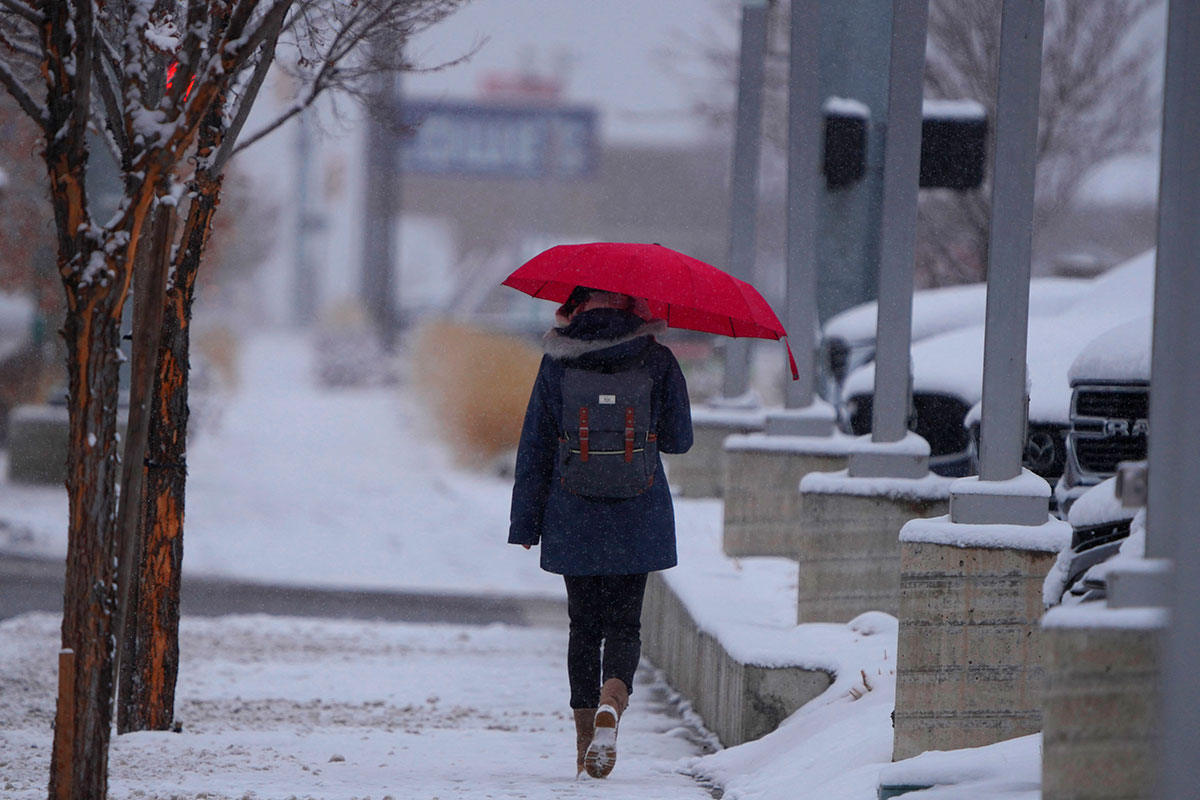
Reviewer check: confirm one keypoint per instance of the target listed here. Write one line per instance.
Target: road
(32, 584)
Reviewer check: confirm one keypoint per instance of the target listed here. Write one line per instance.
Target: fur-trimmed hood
(558, 344)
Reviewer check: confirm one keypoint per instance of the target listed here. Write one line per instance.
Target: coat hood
(596, 330)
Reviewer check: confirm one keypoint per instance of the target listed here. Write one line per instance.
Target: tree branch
(22, 95)
(23, 11)
(112, 109)
(266, 57)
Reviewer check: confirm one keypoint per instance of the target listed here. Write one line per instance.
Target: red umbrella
(682, 290)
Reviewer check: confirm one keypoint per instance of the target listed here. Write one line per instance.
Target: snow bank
(1010, 769)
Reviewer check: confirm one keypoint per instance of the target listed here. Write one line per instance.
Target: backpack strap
(629, 434)
(583, 433)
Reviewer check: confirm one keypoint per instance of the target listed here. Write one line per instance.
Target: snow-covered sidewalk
(298, 484)
(277, 708)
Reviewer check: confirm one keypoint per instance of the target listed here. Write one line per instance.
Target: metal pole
(1002, 430)
(803, 193)
(381, 207)
(743, 209)
(898, 231)
(1174, 502)
(304, 290)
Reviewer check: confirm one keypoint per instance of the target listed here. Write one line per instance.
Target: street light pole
(1010, 241)
(898, 234)
(1174, 483)
(743, 209)
(1002, 429)
(804, 154)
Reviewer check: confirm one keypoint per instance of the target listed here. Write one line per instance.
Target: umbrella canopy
(684, 291)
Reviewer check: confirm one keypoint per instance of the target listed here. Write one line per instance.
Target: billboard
(536, 141)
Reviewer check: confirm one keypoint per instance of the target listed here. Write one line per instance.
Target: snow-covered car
(1101, 530)
(848, 338)
(947, 374)
(1110, 407)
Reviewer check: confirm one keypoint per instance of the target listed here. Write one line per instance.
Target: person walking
(591, 492)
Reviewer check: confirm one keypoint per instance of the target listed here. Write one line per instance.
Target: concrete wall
(849, 553)
(738, 702)
(762, 498)
(700, 472)
(969, 662)
(1101, 712)
(37, 443)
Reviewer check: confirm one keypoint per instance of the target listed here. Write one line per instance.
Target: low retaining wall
(737, 701)
(762, 488)
(1101, 702)
(969, 658)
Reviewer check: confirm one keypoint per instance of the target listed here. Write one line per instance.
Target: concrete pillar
(847, 541)
(700, 472)
(762, 488)
(1101, 715)
(969, 656)
(743, 208)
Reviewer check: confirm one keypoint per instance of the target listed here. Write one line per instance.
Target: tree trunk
(92, 332)
(150, 275)
(156, 660)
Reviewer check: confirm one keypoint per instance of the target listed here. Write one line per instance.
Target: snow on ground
(346, 488)
(276, 708)
(303, 485)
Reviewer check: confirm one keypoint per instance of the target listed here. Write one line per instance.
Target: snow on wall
(1051, 537)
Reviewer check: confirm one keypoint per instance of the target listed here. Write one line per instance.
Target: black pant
(605, 610)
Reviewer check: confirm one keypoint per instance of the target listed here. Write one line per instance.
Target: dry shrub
(219, 346)
(476, 383)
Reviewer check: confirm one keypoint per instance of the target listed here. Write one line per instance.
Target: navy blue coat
(583, 536)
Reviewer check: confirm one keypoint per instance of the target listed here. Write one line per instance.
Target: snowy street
(276, 708)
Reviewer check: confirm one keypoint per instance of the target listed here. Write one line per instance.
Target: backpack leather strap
(583, 433)
(628, 434)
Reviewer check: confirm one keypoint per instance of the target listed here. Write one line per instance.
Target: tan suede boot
(601, 754)
(585, 726)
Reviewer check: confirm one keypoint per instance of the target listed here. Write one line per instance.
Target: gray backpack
(608, 448)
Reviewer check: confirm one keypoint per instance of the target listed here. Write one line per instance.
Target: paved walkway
(275, 707)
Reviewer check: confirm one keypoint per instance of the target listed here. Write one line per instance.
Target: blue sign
(500, 140)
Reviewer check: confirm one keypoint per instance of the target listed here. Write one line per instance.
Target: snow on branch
(22, 95)
(331, 42)
(22, 10)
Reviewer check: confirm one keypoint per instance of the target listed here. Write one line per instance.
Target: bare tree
(1096, 103)
(167, 85)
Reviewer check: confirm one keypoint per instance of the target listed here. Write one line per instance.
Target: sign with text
(501, 140)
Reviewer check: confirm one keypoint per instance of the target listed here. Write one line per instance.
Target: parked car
(1103, 531)
(848, 339)
(947, 375)
(1110, 407)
